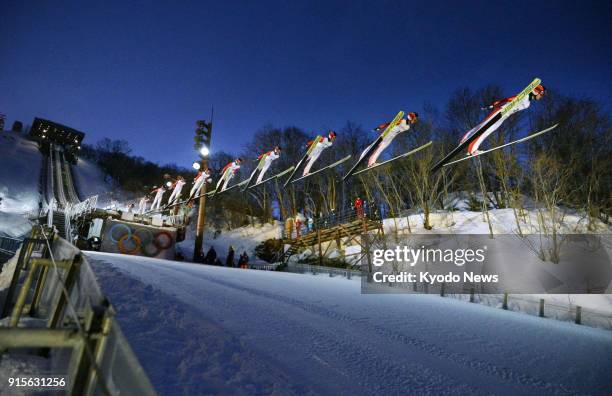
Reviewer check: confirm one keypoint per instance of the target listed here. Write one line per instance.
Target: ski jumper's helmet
(539, 90)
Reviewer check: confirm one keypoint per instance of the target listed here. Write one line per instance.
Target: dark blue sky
(145, 71)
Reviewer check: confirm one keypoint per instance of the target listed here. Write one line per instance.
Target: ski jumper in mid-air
(198, 182)
(228, 172)
(142, 205)
(497, 107)
(319, 145)
(402, 126)
(159, 194)
(176, 192)
(265, 160)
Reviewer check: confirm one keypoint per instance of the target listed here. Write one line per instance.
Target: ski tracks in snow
(331, 348)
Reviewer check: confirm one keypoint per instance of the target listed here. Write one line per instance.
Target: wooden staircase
(353, 228)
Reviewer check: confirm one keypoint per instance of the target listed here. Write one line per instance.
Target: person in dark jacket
(211, 256)
(229, 260)
(243, 262)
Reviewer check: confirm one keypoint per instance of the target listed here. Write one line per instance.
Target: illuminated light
(196, 165)
(204, 151)
(78, 148)
(168, 184)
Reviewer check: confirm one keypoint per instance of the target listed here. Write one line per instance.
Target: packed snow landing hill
(232, 331)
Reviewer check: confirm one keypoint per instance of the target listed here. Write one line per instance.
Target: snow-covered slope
(231, 331)
(20, 163)
(502, 222)
(89, 179)
(243, 239)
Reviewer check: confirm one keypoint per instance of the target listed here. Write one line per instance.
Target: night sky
(145, 71)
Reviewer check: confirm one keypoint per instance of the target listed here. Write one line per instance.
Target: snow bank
(14, 225)
(20, 163)
(243, 239)
(233, 331)
(502, 222)
(89, 179)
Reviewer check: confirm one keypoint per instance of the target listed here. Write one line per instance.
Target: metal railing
(317, 269)
(83, 207)
(8, 248)
(57, 287)
(332, 219)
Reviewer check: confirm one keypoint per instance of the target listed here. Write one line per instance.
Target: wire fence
(535, 305)
(317, 269)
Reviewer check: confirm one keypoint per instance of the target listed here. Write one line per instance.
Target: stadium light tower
(202, 145)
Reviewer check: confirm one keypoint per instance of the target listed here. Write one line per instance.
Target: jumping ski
(265, 160)
(503, 145)
(215, 192)
(300, 162)
(273, 177)
(323, 169)
(493, 121)
(368, 149)
(394, 158)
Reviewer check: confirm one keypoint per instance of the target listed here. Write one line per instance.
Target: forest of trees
(570, 167)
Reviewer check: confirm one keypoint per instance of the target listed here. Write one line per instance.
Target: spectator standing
(359, 207)
(229, 260)
(211, 256)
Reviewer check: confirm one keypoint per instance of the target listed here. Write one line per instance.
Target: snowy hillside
(224, 330)
(20, 163)
(89, 179)
(243, 239)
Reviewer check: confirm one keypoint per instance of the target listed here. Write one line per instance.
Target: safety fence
(542, 307)
(536, 305)
(317, 269)
(262, 265)
(55, 309)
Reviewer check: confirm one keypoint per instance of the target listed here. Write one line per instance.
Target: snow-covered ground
(243, 239)
(202, 329)
(20, 163)
(89, 179)
(502, 222)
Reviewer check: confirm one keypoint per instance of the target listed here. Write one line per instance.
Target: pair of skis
(323, 169)
(503, 145)
(301, 161)
(486, 124)
(394, 158)
(246, 182)
(375, 143)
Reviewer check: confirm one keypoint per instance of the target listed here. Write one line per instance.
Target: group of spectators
(301, 225)
(211, 258)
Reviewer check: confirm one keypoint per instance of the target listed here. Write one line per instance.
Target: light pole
(202, 144)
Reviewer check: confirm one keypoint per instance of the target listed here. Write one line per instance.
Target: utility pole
(202, 144)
